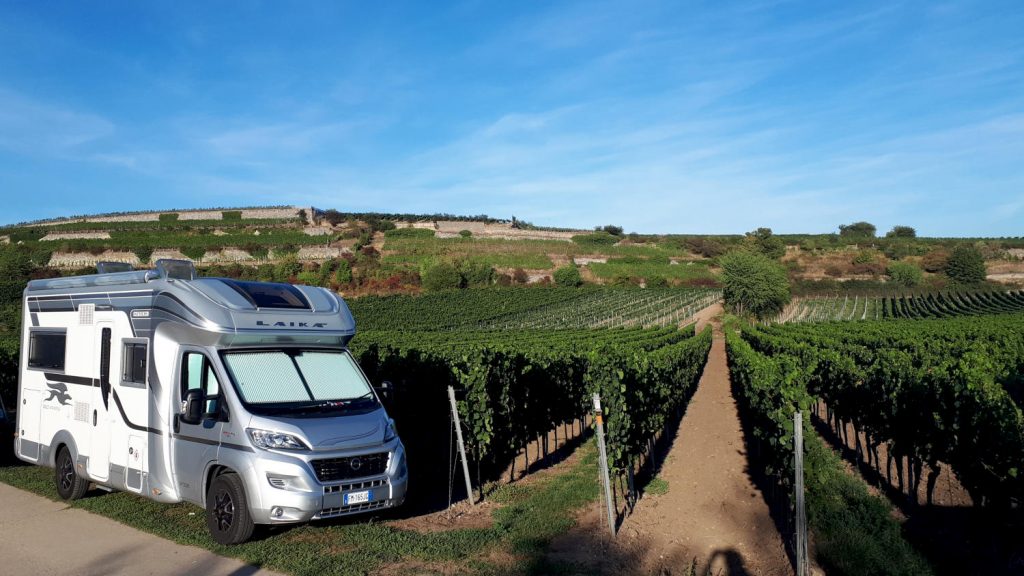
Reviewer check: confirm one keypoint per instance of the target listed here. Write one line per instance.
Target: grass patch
(657, 486)
(854, 531)
(532, 513)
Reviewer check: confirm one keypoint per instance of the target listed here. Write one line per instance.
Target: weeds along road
(41, 537)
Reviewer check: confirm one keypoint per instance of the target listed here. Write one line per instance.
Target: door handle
(93, 417)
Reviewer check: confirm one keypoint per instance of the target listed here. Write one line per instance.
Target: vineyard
(918, 306)
(532, 308)
(933, 392)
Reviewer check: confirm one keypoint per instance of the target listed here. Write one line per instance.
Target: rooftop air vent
(176, 269)
(112, 267)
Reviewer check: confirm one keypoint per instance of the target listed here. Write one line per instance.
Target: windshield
(323, 378)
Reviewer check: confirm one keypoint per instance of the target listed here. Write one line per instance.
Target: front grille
(337, 469)
(367, 485)
(364, 507)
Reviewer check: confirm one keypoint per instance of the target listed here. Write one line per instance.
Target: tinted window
(134, 363)
(198, 374)
(46, 350)
(270, 295)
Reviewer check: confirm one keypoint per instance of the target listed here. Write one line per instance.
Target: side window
(135, 363)
(46, 349)
(197, 373)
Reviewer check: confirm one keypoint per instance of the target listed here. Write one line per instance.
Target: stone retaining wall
(451, 229)
(83, 259)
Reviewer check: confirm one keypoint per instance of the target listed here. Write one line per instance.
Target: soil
(713, 515)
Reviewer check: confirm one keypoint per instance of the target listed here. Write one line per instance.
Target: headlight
(389, 431)
(275, 440)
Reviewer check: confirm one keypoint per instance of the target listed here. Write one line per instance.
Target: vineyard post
(801, 514)
(462, 445)
(604, 463)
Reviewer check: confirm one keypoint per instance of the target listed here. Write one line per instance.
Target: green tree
(905, 274)
(762, 240)
(901, 232)
(966, 265)
(568, 275)
(476, 273)
(753, 283)
(441, 276)
(857, 230)
(343, 274)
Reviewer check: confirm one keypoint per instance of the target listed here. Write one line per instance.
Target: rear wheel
(70, 486)
(227, 510)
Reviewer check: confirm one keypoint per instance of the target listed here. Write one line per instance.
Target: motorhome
(240, 397)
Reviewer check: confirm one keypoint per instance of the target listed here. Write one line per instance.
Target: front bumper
(285, 491)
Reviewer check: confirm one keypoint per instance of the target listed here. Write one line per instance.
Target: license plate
(358, 497)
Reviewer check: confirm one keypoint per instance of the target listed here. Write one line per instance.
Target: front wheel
(70, 486)
(227, 510)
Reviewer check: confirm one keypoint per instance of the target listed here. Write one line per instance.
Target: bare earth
(712, 514)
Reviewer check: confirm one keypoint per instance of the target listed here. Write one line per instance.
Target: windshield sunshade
(277, 377)
(270, 294)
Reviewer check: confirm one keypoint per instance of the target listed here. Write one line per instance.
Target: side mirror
(192, 407)
(385, 390)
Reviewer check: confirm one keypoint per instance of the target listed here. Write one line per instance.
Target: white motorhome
(240, 397)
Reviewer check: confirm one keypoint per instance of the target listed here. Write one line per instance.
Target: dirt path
(712, 511)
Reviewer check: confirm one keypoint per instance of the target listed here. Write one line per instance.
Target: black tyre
(70, 486)
(227, 510)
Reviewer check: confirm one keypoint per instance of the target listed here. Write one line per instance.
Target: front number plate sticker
(358, 497)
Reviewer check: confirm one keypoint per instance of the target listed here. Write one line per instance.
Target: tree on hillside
(966, 265)
(754, 283)
(901, 232)
(441, 276)
(905, 274)
(763, 241)
(857, 230)
(611, 229)
(568, 275)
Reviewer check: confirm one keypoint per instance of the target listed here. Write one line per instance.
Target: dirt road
(712, 512)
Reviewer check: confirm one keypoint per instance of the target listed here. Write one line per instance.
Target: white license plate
(358, 497)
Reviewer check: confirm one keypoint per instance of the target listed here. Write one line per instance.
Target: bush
(231, 215)
(905, 274)
(308, 278)
(833, 271)
(901, 232)
(568, 276)
(465, 233)
(762, 240)
(288, 267)
(935, 261)
(754, 283)
(171, 217)
(966, 265)
(657, 282)
(343, 274)
(611, 229)
(476, 273)
(595, 239)
(857, 230)
(864, 257)
(194, 252)
(144, 253)
(519, 276)
(442, 276)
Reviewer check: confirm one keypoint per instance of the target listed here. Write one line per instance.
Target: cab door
(194, 446)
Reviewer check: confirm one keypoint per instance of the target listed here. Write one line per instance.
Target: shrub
(465, 233)
(519, 276)
(762, 240)
(568, 276)
(193, 252)
(308, 278)
(901, 232)
(857, 230)
(343, 274)
(288, 267)
(504, 280)
(231, 215)
(905, 274)
(611, 229)
(657, 282)
(833, 271)
(864, 257)
(935, 261)
(144, 253)
(442, 276)
(754, 283)
(966, 265)
(170, 217)
(476, 273)
(595, 239)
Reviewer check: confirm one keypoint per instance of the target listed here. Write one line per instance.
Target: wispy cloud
(34, 128)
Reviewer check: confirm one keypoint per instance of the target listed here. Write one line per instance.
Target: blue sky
(657, 116)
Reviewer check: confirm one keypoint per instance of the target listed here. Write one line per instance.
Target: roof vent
(112, 267)
(176, 269)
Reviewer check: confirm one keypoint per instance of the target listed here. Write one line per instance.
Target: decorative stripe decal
(209, 442)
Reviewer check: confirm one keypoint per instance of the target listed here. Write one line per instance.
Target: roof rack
(166, 269)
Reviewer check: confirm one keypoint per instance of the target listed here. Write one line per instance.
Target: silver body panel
(135, 442)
